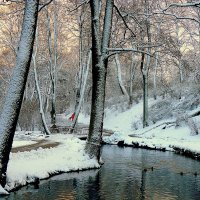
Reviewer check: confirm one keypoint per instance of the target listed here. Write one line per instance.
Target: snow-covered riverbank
(29, 166)
(26, 167)
(164, 134)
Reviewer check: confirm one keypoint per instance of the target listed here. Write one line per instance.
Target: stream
(128, 174)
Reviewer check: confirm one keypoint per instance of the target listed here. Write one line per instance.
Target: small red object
(72, 117)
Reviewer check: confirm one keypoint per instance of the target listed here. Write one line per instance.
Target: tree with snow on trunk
(14, 97)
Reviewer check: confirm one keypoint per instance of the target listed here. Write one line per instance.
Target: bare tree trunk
(132, 76)
(13, 101)
(119, 76)
(38, 88)
(145, 68)
(99, 69)
(145, 92)
(180, 67)
(46, 101)
(85, 75)
(54, 82)
(180, 78)
(53, 63)
(154, 77)
(80, 72)
(155, 68)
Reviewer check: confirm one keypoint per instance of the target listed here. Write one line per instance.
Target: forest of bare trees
(90, 55)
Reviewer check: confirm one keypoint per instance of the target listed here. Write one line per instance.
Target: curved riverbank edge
(175, 149)
(56, 154)
(35, 181)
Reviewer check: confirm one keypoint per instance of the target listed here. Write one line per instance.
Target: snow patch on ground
(22, 143)
(26, 167)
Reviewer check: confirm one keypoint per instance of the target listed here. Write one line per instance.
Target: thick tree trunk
(13, 101)
(99, 69)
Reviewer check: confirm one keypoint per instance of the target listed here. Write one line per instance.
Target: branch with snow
(122, 50)
(192, 4)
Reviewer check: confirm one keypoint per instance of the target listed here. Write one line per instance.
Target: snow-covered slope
(162, 134)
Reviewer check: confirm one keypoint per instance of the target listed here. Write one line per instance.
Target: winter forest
(108, 87)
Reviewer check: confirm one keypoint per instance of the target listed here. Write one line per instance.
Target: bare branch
(78, 6)
(136, 20)
(123, 50)
(43, 5)
(192, 4)
(177, 17)
(120, 14)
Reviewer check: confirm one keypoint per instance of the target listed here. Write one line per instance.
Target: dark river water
(123, 177)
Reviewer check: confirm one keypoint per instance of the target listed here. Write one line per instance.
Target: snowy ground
(26, 167)
(22, 143)
(163, 136)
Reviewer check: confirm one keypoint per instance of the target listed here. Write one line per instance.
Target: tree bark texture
(13, 100)
(99, 69)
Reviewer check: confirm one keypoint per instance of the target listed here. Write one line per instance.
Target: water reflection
(123, 177)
